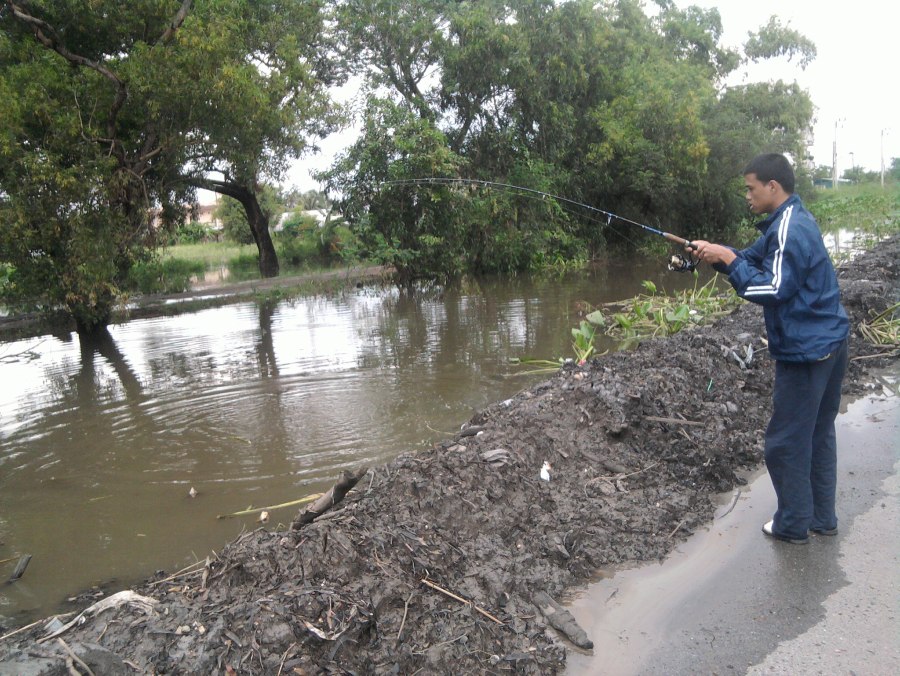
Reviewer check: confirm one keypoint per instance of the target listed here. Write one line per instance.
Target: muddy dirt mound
(449, 560)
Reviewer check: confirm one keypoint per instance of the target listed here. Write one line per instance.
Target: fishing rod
(677, 262)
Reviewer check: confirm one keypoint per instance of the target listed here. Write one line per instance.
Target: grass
(212, 254)
(868, 210)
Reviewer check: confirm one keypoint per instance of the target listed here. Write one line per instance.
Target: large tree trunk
(259, 226)
(256, 217)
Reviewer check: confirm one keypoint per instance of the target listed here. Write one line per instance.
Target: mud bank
(440, 562)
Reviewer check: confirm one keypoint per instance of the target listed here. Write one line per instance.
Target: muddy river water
(251, 404)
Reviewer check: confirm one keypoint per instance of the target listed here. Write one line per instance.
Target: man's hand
(712, 253)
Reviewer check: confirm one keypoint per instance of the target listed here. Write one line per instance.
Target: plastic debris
(545, 471)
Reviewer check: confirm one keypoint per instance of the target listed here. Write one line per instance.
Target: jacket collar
(771, 218)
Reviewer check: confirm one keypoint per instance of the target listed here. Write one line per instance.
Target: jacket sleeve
(773, 268)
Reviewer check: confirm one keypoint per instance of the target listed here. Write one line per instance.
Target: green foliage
(593, 101)
(171, 275)
(212, 255)
(302, 242)
(655, 314)
(244, 266)
(583, 341)
(775, 39)
(420, 233)
(120, 108)
(864, 209)
(191, 233)
(6, 272)
(234, 217)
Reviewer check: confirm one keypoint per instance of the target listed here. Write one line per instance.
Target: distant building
(206, 214)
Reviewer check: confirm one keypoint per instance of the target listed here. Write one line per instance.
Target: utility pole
(834, 174)
(882, 158)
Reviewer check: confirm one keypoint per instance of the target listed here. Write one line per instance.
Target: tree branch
(176, 22)
(46, 35)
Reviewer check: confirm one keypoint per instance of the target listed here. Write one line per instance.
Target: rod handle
(679, 240)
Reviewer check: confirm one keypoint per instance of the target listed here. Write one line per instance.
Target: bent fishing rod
(678, 262)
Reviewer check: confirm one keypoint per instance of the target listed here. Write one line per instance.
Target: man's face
(760, 196)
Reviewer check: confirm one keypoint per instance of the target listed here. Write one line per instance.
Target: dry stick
(680, 524)
(446, 434)
(284, 658)
(181, 572)
(20, 567)
(75, 657)
(688, 437)
(115, 601)
(308, 498)
(205, 578)
(33, 624)
(405, 610)
(11, 558)
(676, 421)
(875, 356)
(624, 476)
(431, 584)
(733, 503)
(335, 494)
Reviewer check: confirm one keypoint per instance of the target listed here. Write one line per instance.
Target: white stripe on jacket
(772, 289)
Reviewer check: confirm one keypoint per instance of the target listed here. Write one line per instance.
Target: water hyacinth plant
(655, 314)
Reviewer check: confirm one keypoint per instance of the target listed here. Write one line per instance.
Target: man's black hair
(772, 167)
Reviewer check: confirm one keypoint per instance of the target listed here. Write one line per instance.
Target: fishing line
(677, 262)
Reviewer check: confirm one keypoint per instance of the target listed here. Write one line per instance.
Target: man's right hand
(712, 253)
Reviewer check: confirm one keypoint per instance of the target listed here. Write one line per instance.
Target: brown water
(251, 405)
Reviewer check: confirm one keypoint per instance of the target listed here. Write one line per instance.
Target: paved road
(731, 601)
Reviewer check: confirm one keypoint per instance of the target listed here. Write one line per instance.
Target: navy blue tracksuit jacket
(788, 271)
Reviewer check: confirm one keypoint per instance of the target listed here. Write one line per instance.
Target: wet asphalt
(731, 601)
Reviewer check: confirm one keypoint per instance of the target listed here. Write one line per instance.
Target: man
(788, 271)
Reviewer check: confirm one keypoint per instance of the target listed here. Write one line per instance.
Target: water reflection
(250, 404)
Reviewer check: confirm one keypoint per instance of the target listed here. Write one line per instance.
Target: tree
(116, 109)
(77, 165)
(417, 233)
(774, 40)
(595, 101)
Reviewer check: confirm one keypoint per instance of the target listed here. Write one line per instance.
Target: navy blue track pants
(801, 450)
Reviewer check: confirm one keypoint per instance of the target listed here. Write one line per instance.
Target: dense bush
(303, 242)
(172, 275)
(192, 233)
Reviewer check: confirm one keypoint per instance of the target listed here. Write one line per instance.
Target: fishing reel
(681, 263)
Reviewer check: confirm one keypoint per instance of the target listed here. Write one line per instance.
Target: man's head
(769, 180)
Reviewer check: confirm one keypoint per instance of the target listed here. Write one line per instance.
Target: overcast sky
(853, 81)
